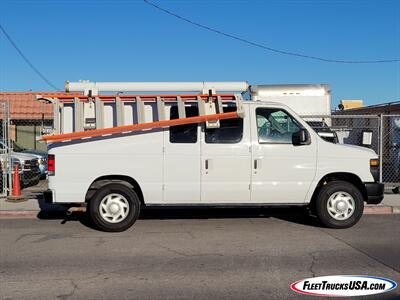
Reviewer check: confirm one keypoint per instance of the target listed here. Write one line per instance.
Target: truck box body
(304, 99)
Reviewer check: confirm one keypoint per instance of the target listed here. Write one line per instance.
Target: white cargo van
(268, 157)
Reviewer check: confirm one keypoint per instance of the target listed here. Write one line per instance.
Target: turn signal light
(374, 163)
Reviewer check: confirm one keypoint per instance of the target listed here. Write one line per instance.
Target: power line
(258, 45)
(40, 74)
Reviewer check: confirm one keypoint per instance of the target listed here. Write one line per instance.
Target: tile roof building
(24, 106)
(28, 118)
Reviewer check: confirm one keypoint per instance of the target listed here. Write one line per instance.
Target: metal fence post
(4, 150)
(381, 117)
(8, 149)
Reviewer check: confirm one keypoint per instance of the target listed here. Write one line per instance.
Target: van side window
(275, 126)
(183, 133)
(229, 132)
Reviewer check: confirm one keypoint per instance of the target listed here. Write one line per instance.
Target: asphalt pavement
(191, 254)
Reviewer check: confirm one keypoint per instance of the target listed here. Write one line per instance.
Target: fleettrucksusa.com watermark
(343, 285)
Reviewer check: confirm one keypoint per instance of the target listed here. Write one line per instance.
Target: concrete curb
(381, 210)
(18, 214)
(16, 199)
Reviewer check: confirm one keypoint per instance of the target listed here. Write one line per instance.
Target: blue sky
(131, 41)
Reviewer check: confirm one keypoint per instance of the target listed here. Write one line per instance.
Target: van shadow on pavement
(298, 215)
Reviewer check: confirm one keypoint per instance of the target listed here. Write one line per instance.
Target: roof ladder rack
(84, 126)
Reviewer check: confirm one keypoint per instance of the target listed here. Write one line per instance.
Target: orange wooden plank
(137, 127)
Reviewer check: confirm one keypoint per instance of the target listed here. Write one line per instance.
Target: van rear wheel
(114, 207)
(339, 204)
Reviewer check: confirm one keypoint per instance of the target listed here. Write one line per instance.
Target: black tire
(396, 190)
(114, 188)
(321, 204)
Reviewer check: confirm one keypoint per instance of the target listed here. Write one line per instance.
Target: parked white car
(4, 176)
(269, 157)
(29, 164)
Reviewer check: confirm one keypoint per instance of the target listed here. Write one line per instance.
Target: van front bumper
(48, 196)
(375, 191)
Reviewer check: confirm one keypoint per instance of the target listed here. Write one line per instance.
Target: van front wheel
(114, 207)
(339, 204)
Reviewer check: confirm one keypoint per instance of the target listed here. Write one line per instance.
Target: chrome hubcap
(114, 208)
(341, 206)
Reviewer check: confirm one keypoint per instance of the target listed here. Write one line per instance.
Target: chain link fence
(390, 149)
(20, 151)
(359, 130)
(32, 154)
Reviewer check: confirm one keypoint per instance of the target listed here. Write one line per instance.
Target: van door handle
(257, 164)
(208, 164)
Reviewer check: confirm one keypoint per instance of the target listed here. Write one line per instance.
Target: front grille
(31, 164)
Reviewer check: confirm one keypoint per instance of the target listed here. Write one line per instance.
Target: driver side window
(275, 126)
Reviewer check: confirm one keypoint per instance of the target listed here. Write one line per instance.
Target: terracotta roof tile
(24, 106)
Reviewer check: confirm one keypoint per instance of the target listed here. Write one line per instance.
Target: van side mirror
(301, 137)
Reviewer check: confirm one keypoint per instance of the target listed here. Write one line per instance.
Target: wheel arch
(124, 179)
(342, 176)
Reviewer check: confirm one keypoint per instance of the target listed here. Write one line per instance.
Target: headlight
(19, 164)
(41, 161)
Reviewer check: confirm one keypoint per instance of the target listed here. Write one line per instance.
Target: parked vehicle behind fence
(40, 155)
(4, 176)
(30, 168)
(29, 164)
(259, 154)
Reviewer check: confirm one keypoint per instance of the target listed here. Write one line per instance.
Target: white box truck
(304, 99)
(260, 154)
